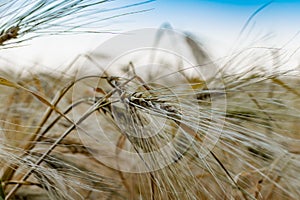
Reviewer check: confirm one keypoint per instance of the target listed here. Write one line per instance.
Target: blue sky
(223, 20)
(214, 21)
(196, 15)
(246, 2)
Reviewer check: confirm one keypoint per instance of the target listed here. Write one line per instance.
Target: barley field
(166, 121)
